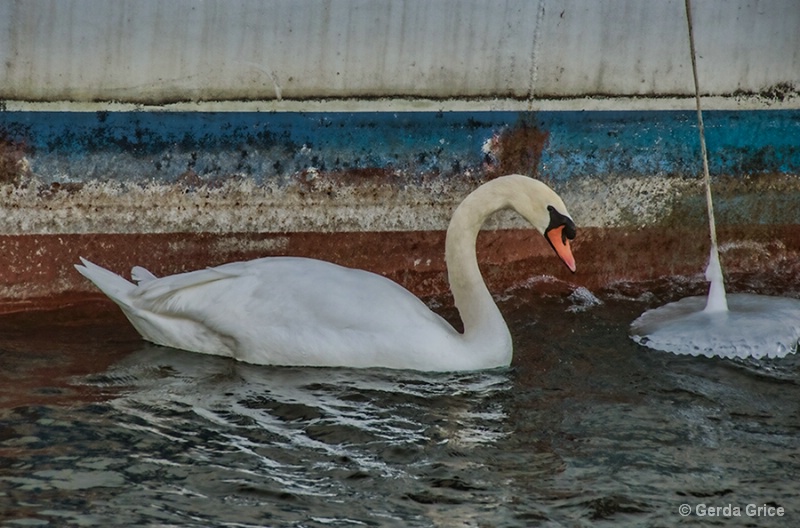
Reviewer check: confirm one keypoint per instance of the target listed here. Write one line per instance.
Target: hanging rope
(717, 301)
(701, 129)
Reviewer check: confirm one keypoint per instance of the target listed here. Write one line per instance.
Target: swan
(307, 312)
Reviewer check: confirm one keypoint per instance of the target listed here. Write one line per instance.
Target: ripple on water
(588, 428)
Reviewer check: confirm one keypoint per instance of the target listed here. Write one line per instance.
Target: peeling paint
(275, 148)
(351, 205)
(629, 201)
(615, 262)
(14, 166)
(179, 191)
(234, 206)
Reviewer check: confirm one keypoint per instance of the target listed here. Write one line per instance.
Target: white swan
(299, 311)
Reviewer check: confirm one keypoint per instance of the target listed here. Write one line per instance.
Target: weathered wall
(180, 134)
(87, 172)
(150, 51)
(175, 191)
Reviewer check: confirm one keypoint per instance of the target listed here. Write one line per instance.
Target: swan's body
(298, 311)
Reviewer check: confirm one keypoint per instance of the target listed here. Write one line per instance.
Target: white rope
(717, 300)
(701, 129)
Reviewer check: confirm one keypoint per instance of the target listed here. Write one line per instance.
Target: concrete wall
(180, 134)
(175, 191)
(156, 52)
(80, 172)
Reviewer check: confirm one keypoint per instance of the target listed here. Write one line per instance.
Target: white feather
(298, 311)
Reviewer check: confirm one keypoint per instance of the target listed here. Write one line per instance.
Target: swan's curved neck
(484, 326)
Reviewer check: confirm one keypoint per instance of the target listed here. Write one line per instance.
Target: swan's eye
(558, 220)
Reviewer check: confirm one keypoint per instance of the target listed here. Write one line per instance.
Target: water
(717, 298)
(753, 326)
(728, 326)
(586, 429)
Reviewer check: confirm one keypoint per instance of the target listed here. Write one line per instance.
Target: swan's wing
(288, 290)
(154, 292)
(310, 311)
(343, 297)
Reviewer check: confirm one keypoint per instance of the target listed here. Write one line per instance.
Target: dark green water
(586, 429)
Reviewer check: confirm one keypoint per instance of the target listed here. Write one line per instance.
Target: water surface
(587, 428)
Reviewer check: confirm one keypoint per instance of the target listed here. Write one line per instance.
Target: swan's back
(293, 311)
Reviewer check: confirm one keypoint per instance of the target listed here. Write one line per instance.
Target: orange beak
(561, 245)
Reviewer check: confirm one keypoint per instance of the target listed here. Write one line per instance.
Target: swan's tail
(141, 275)
(117, 288)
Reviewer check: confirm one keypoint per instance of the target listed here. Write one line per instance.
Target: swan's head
(545, 210)
(559, 231)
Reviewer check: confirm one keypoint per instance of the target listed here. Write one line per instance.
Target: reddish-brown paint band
(38, 269)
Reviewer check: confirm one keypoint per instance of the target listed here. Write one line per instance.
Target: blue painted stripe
(666, 142)
(159, 146)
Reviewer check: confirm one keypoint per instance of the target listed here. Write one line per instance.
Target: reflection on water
(587, 428)
(308, 434)
(190, 438)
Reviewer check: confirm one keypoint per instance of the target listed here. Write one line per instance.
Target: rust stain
(14, 168)
(39, 271)
(517, 150)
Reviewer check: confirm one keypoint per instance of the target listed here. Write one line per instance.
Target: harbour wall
(158, 52)
(177, 135)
